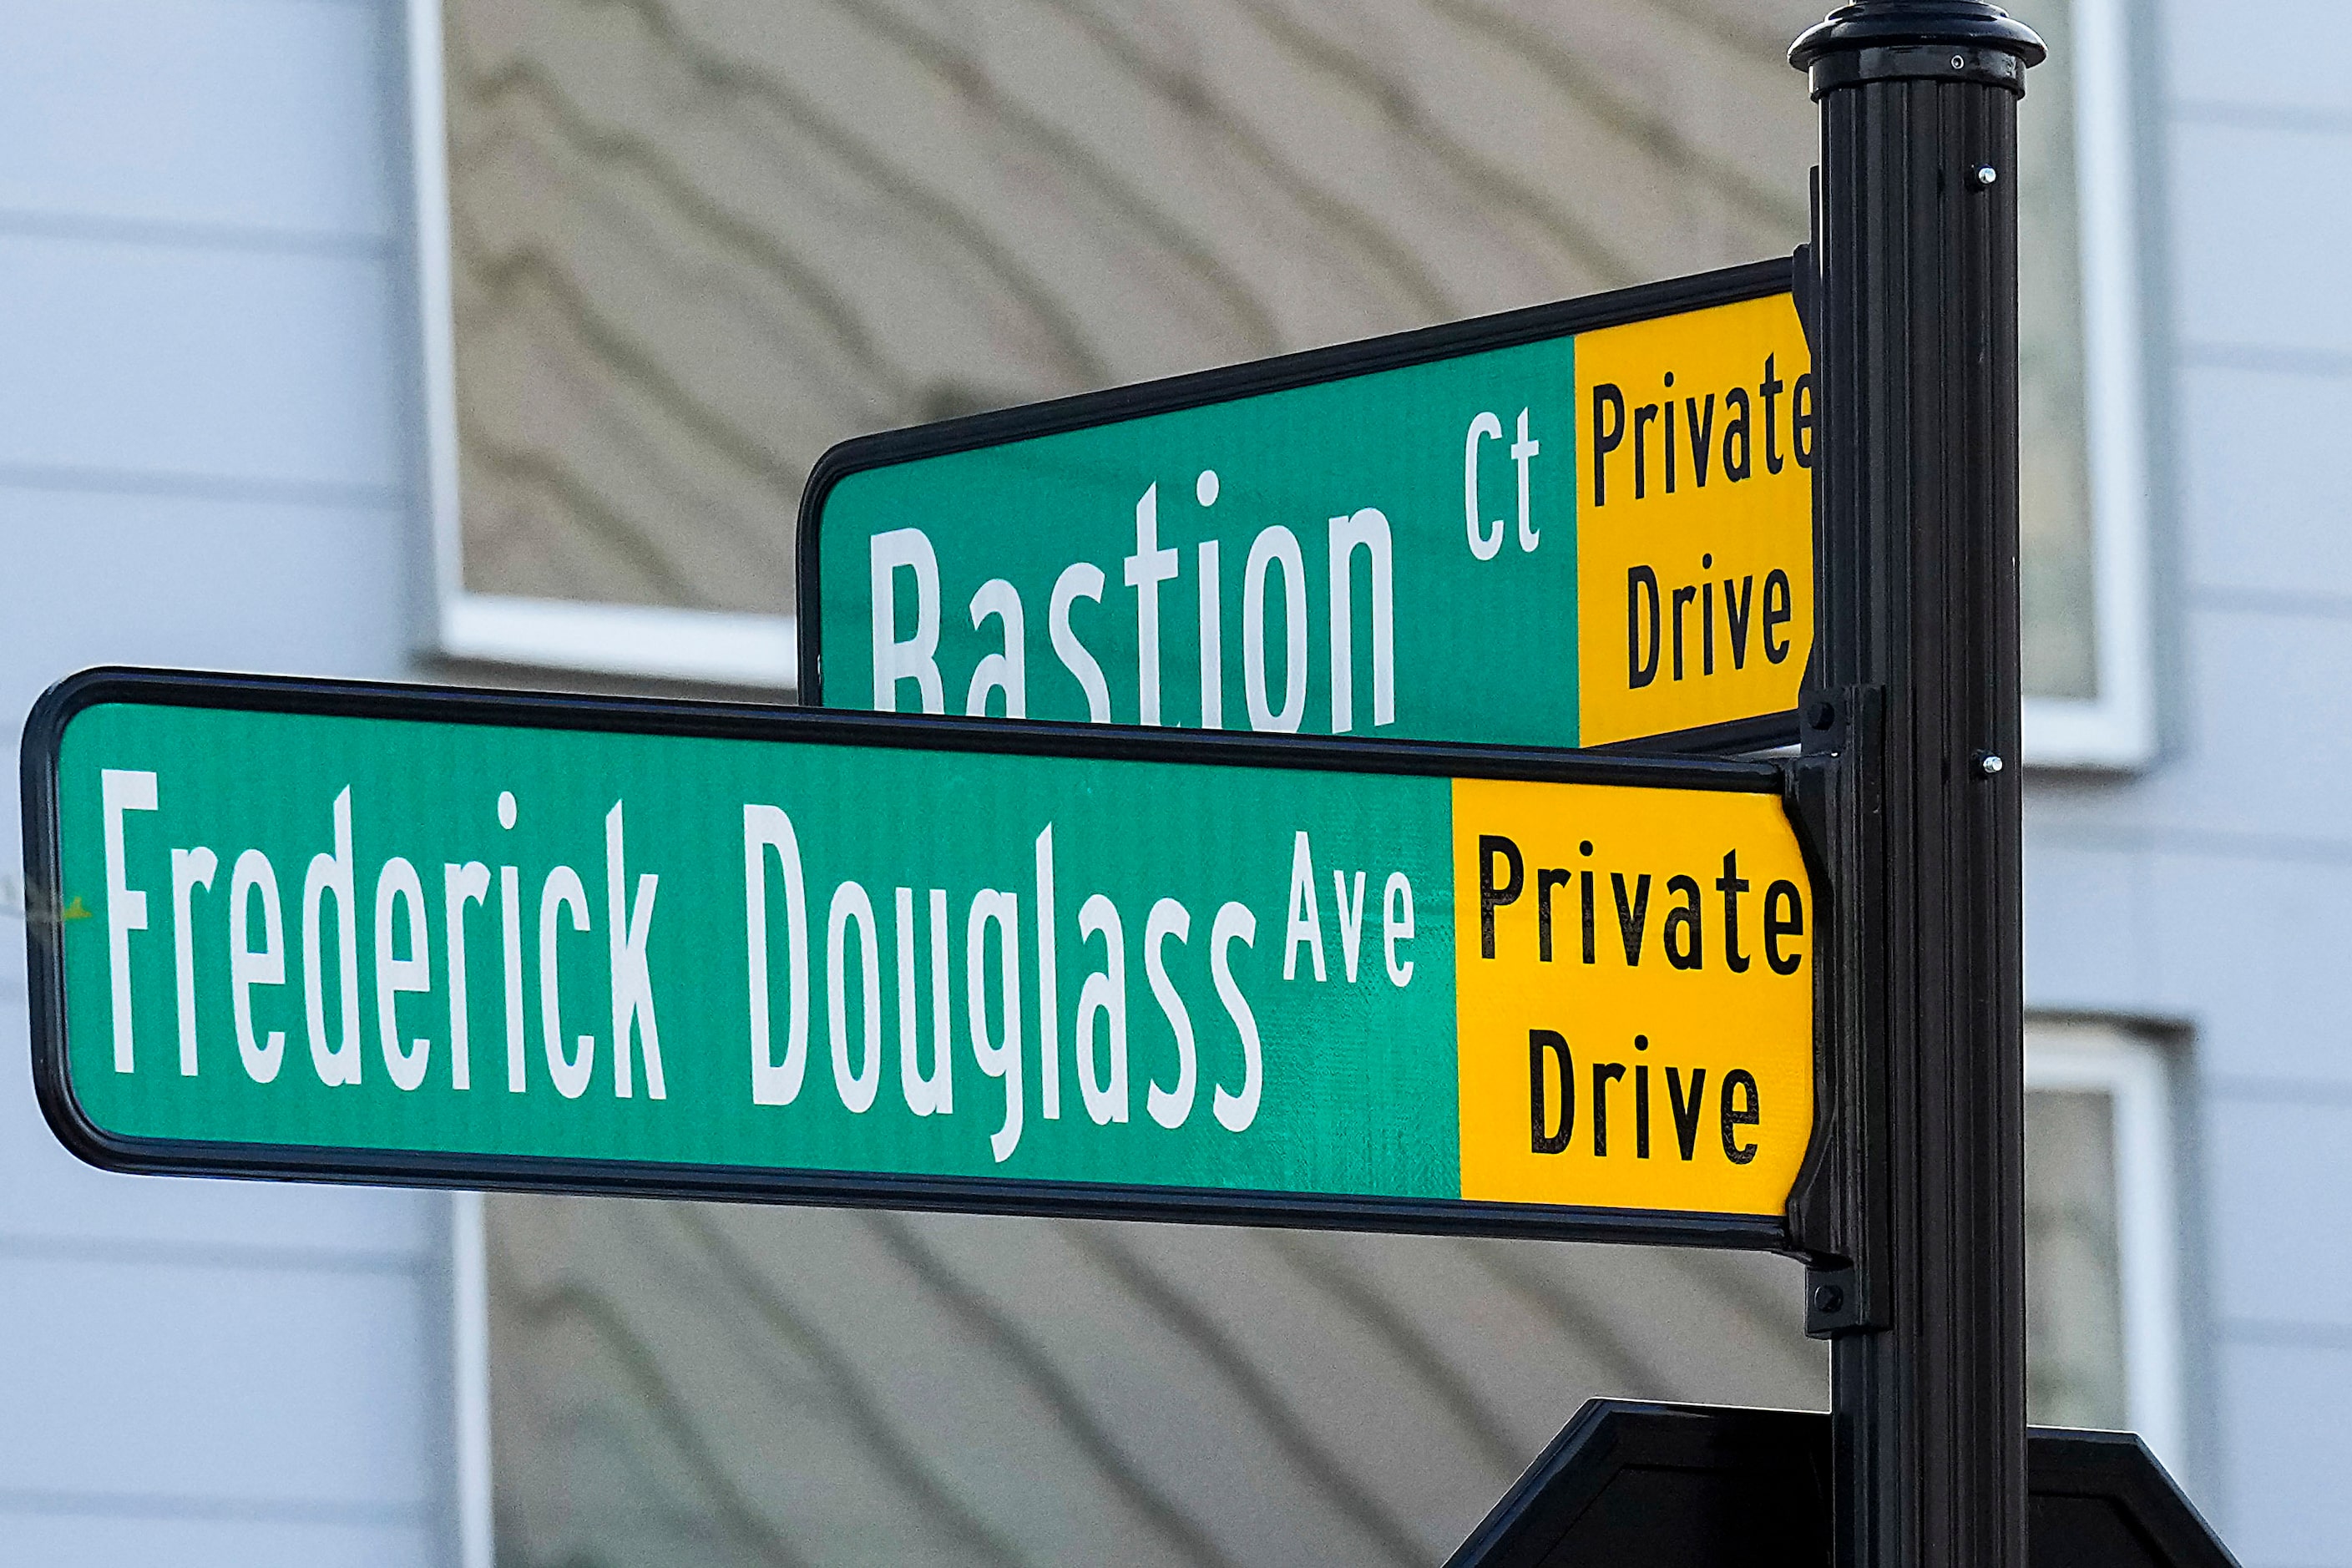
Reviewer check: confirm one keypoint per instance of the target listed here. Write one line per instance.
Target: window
(701, 1384)
(2102, 1314)
(708, 1384)
(670, 253)
(2089, 675)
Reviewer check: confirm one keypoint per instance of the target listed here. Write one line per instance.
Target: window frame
(648, 640)
(2116, 730)
(469, 1384)
(2135, 1071)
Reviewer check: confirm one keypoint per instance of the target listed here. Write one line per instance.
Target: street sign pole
(285, 928)
(1911, 781)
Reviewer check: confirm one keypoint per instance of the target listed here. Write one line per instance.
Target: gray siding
(203, 450)
(2211, 891)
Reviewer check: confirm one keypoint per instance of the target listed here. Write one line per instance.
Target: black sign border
(1226, 383)
(45, 732)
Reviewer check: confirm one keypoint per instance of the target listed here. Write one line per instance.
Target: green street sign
(1579, 524)
(395, 934)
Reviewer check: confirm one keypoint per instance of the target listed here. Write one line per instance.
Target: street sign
(1568, 526)
(394, 934)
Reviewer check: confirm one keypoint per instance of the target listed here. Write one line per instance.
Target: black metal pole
(1914, 1205)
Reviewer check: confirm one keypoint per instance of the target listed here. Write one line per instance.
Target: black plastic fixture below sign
(1634, 1485)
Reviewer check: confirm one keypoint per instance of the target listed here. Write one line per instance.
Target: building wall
(2210, 892)
(208, 411)
(205, 405)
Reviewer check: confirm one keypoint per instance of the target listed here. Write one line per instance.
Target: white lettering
(510, 970)
(1049, 991)
(851, 906)
(395, 884)
(767, 827)
(1276, 545)
(121, 790)
(1081, 580)
(1523, 451)
(339, 1064)
(1007, 671)
(934, 1094)
(1145, 569)
(1212, 641)
(1104, 997)
(1235, 923)
(460, 885)
(1352, 919)
(914, 658)
(563, 891)
(1170, 1107)
(1304, 926)
(1368, 529)
(1485, 539)
(248, 967)
(626, 925)
(1396, 926)
(998, 1058)
(191, 869)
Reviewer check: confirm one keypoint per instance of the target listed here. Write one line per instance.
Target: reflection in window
(2073, 1316)
(702, 1386)
(691, 246)
(2102, 1290)
(2055, 497)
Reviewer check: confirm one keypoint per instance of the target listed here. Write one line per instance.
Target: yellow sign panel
(1635, 992)
(1695, 556)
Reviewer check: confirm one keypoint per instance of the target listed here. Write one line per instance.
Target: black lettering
(1641, 418)
(1737, 608)
(1492, 848)
(1686, 1112)
(1702, 436)
(1800, 420)
(1604, 1074)
(1606, 437)
(1670, 436)
(1640, 583)
(1682, 596)
(1776, 927)
(1540, 1041)
(1586, 879)
(1693, 952)
(1632, 917)
(1735, 1118)
(1777, 613)
(1731, 884)
(1768, 389)
(1707, 628)
(1640, 1103)
(1735, 434)
(1548, 878)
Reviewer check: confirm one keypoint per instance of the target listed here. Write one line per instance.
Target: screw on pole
(1911, 1209)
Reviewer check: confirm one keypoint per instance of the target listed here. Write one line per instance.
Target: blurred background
(491, 341)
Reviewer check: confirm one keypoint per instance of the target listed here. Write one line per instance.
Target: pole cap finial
(1909, 24)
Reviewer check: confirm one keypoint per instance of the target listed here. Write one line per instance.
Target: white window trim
(470, 1348)
(634, 639)
(2116, 730)
(2134, 1076)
